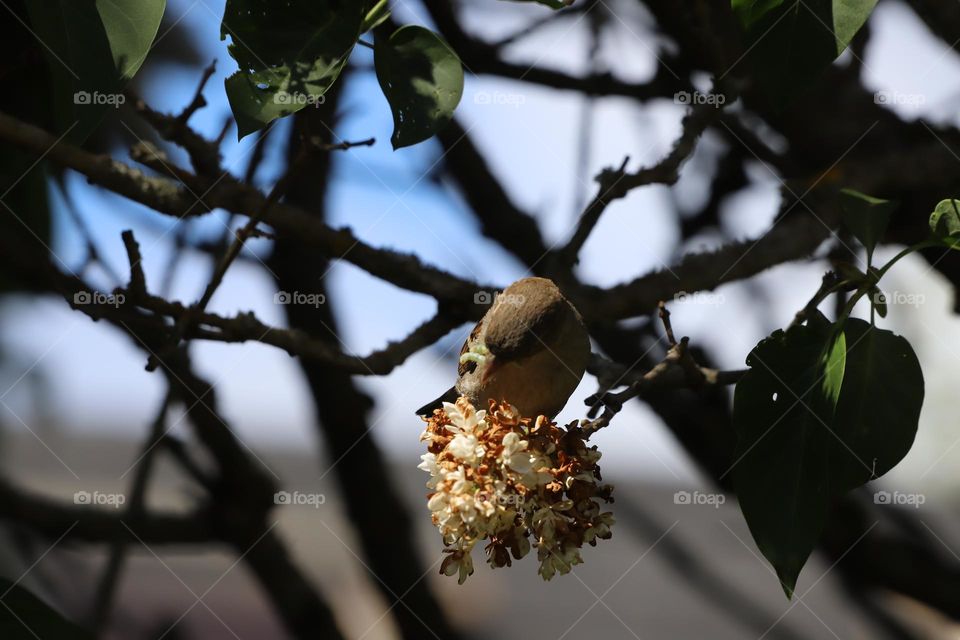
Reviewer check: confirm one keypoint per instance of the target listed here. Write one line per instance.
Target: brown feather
(526, 315)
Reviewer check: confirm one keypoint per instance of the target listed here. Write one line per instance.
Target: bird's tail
(450, 395)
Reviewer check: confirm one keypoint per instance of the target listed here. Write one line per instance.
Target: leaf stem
(907, 251)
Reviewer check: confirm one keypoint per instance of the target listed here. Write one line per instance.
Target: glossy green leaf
(866, 217)
(289, 53)
(780, 475)
(131, 26)
(834, 364)
(790, 42)
(422, 79)
(945, 222)
(879, 407)
(26, 617)
(93, 48)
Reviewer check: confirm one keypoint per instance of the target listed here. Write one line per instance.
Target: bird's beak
(490, 366)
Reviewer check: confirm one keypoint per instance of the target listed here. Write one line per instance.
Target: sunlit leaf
(422, 79)
(945, 222)
(289, 53)
(93, 49)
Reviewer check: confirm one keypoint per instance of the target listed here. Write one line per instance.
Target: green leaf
(376, 16)
(879, 301)
(790, 42)
(821, 411)
(835, 361)
(866, 217)
(93, 48)
(25, 616)
(780, 475)
(879, 408)
(289, 53)
(422, 79)
(945, 222)
(131, 26)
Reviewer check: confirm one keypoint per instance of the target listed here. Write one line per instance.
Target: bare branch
(794, 236)
(617, 183)
(162, 195)
(500, 217)
(481, 57)
(678, 369)
(51, 518)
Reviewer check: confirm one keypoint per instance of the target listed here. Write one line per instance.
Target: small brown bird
(530, 349)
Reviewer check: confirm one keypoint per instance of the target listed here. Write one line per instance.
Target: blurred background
(76, 402)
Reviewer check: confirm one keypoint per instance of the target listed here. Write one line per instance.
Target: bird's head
(524, 319)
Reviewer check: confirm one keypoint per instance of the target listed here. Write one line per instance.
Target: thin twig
(94, 255)
(617, 183)
(198, 101)
(342, 146)
(243, 234)
(678, 369)
(667, 326)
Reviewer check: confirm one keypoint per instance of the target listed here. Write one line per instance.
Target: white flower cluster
(497, 476)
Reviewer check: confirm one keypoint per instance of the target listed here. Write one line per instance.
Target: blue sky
(97, 377)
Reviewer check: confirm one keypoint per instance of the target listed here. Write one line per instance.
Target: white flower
(458, 481)
(466, 448)
(464, 420)
(534, 469)
(429, 465)
(513, 444)
(499, 477)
